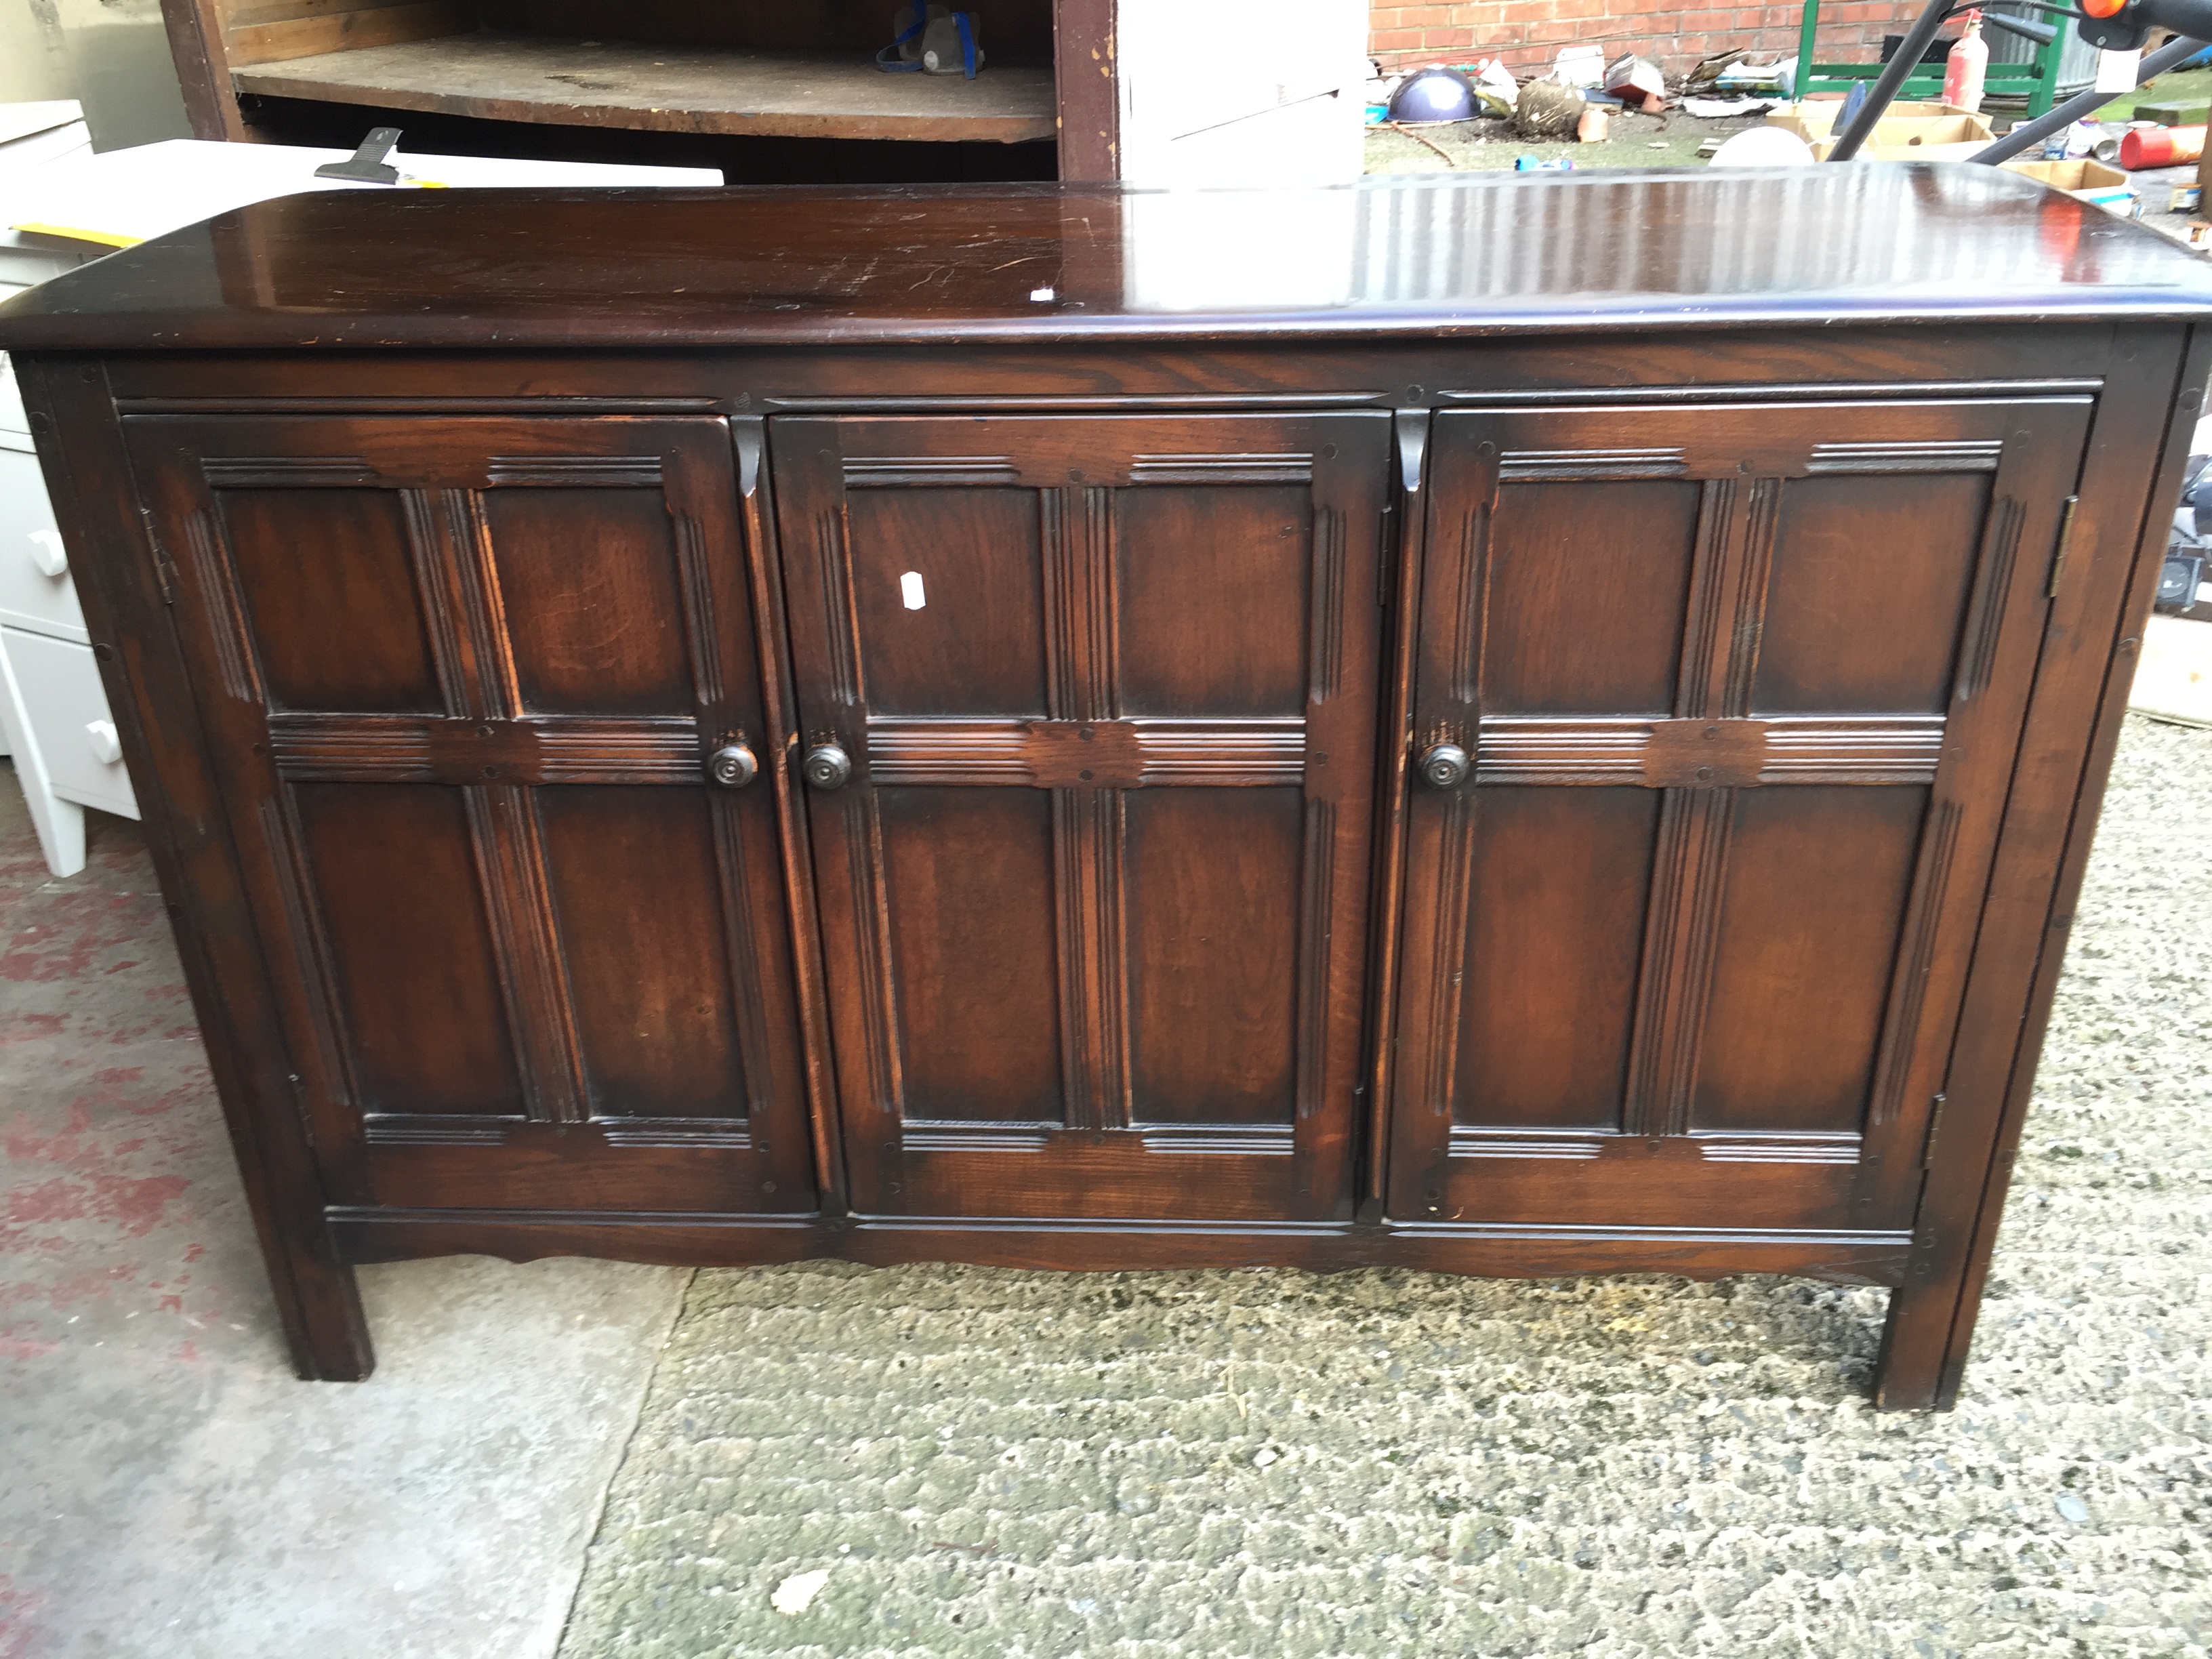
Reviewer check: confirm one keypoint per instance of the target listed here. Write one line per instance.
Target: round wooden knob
(732, 766)
(1445, 766)
(827, 767)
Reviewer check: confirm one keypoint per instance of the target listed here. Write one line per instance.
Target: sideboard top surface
(1036, 263)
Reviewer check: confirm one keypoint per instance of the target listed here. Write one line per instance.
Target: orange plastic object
(2104, 7)
(2160, 147)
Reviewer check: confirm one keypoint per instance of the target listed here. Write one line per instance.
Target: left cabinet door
(483, 696)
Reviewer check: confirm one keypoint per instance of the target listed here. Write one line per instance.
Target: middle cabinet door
(1089, 718)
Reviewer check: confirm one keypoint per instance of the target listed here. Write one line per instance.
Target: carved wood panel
(468, 671)
(1740, 687)
(1094, 901)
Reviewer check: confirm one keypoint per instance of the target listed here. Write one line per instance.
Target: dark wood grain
(1794, 904)
(1080, 1245)
(466, 945)
(1132, 938)
(195, 32)
(1549, 976)
(1086, 71)
(658, 1010)
(306, 556)
(1853, 568)
(1616, 253)
(971, 941)
(589, 609)
(1175, 934)
(414, 972)
(1808, 920)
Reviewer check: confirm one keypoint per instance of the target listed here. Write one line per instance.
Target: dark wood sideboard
(1510, 726)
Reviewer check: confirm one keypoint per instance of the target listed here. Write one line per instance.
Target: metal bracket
(1413, 428)
(746, 430)
(366, 165)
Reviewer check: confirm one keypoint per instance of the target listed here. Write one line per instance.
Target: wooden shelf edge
(322, 79)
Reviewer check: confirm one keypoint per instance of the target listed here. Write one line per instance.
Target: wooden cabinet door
(1094, 897)
(1741, 687)
(464, 680)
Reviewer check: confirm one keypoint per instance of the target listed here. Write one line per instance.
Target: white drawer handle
(47, 552)
(104, 743)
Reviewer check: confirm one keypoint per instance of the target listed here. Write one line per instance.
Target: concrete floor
(166, 1488)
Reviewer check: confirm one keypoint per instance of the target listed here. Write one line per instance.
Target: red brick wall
(1526, 33)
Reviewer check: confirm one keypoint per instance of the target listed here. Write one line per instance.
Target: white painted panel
(30, 547)
(25, 260)
(33, 135)
(13, 419)
(65, 708)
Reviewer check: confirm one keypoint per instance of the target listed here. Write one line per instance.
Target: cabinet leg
(319, 1302)
(1918, 1368)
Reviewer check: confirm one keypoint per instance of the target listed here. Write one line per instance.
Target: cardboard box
(1815, 118)
(1923, 132)
(1827, 147)
(1965, 152)
(2086, 181)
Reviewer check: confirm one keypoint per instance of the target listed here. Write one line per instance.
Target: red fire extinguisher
(1967, 67)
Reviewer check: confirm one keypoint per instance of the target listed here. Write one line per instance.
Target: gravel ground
(1636, 141)
(1269, 1463)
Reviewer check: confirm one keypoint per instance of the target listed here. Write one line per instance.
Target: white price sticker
(2119, 71)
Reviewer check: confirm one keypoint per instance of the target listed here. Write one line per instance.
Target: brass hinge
(165, 572)
(307, 1118)
(1386, 555)
(1935, 1123)
(2065, 541)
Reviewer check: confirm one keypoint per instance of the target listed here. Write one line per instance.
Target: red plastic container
(2160, 147)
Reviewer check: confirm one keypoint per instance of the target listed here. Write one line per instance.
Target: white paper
(123, 196)
(1578, 66)
(910, 590)
(2119, 71)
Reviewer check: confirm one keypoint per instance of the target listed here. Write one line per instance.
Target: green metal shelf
(2037, 80)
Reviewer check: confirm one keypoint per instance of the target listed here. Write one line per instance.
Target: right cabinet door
(1740, 688)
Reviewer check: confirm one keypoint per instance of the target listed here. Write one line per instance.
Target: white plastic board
(1225, 96)
(128, 196)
